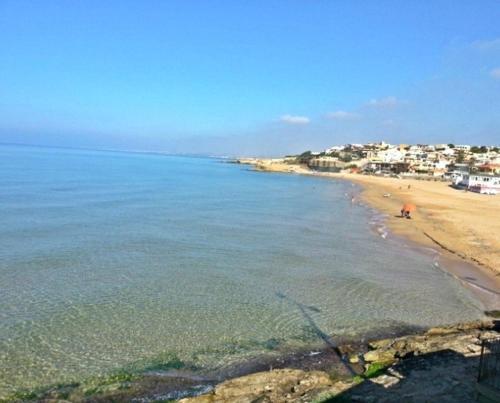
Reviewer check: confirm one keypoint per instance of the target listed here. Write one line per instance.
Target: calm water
(112, 259)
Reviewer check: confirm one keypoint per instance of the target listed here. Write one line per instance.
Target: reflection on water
(109, 260)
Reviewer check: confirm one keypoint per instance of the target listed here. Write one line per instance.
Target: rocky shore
(436, 365)
(439, 365)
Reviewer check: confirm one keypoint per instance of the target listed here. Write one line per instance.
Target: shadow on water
(304, 310)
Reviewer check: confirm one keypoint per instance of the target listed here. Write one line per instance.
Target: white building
(448, 151)
(441, 147)
(391, 155)
(488, 184)
(334, 149)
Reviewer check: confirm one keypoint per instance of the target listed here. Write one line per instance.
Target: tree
(451, 145)
(346, 158)
(472, 165)
(477, 150)
(305, 157)
(460, 157)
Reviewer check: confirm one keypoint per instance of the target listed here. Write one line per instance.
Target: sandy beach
(463, 225)
(445, 216)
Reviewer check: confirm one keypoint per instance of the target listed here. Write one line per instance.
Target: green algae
(376, 368)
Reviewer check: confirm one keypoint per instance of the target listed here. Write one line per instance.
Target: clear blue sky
(248, 77)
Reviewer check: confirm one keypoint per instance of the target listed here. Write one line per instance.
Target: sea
(113, 260)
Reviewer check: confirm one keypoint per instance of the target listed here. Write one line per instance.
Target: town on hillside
(475, 168)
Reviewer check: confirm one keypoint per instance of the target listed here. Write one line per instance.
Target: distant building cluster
(475, 168)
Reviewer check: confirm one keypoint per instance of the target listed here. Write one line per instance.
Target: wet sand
(466, 224)
(463, 227)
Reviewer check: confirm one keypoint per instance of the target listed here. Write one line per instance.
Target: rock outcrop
(274, 386)
(438, 365)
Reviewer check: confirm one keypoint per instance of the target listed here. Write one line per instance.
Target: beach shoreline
(329, 354)
(144, 341)
(341, 363)
(444, 222)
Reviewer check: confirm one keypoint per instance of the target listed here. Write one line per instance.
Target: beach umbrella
(408, 207)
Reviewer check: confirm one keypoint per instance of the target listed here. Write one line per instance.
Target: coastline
(445, 222)
(175, 379)
(438, 365)
(364, 361)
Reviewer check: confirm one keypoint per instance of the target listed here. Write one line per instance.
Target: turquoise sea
(111, 259)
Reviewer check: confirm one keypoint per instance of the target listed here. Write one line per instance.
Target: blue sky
(248, 77)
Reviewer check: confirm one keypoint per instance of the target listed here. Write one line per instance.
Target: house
(391, 155)
(334, 149)
(456, 172)
(441, 147)
(448, 152)
(480, 183)
(326, 164)
(454, 176)
(386, 167)
(448, 161)
(490, 168)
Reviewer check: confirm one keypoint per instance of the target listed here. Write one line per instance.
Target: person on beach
(405, 214)
(407, 209)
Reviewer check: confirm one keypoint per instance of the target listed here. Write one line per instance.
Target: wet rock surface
(273, 386)
(437, 366)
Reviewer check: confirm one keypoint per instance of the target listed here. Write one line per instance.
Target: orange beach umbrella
(408, 207)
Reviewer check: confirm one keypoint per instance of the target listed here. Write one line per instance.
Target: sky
(262, 77)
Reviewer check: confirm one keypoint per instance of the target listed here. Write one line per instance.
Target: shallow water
(109, 260)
